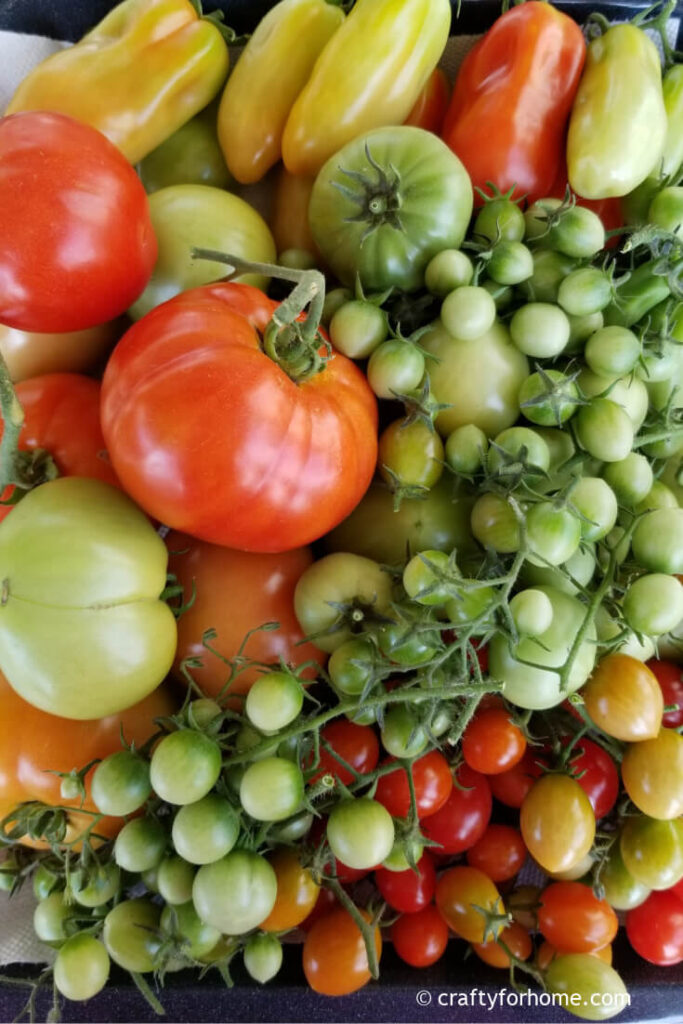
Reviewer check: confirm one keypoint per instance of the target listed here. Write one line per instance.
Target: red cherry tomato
(356, 744)
(512, 786)
(655, 929)
(463, 818)
(573, 919)
(492, 743)
(597, 774)
(670, 678)
(500, 853)
(409, 890)
(433, 784)
(421, 938)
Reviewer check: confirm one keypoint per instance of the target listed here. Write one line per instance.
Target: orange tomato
(297, 892)
(289, 217)
(517, 940)
(624, 699)
(335, 958)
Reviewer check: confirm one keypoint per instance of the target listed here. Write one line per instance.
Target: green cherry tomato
(334, 300)
(495, 524)
(175, 876)
(518, 449)
(44, 881)
(510, 263)
(499, 219)
(395, 368)
(659, 496)
(50, 918)
(581, 328)
(191, 156)
(196, 938)
(273, 701)
(630, 478)
(605, 430)
(360, 832)
(401, 643)
(449, 269)
(666, 209)
(140, 845)
(130, 934)
(468, 312)
(612, 351)
(471, 602)
(421, 577)
(553, 533)
(585, 291)
(540, 329)
(402, 734)
(120, 783)
(466, 449)
(352, 666)
(577, 232)
(653, 604)
(410, 455)
(628, 392)
(532, 612)
(357, 328)
(548, 398)
(205, 831)
(580, 568)
(81, 968)
(597, 990)
(263, 957)
(185, 766)
(272, 789)
(652, 851)
(235, 894)
(622, 890)
(550, 270)
(101, 885)
(596, 504)
(658, 540)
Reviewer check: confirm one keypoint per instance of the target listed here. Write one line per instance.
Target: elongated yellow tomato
(369, 75)
(83, 632)
(273, 69)
(618, 123)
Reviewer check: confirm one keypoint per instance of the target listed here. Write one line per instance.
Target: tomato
(468, 312)
(174, 880)
(62, 417)
(596, 773)
(670, 678)
(433, 784)
(478, 379)
(263, 957)
(462, 820)
(120, 783)
(357, 745)
(492, 743)
(574, 920)
(624, 699)
(658, 540)
(396, 367)
(66, 188)
(185, 766)
(81, 968)
(190, 156)
(652, 773)
(500, 853)
(140, 845)
(360, 832)
(130, 934)
(356, 196)
(32, 354)
(429, 109)
(402, 734)
(511, 786)
(408, 891)
(547, 953)
(185, 216)
(289, 215)
(592, 988)
(235, 592)
(410, 456)
(557, 822)
(297, 892)
(631, 479)
(34, 744)
(334, 955)
(420, 938)
(622, 890)
(205, 830)
(99, 886)
(652, 850)
(235, 894)
(655, 929)
(272, 789)
(548, 398)
(460, 892)
(604, 430)
(51, 918)
(188, 930)
(516, 939)
(196, 479)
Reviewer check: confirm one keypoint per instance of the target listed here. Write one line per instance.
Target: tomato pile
(350, 580)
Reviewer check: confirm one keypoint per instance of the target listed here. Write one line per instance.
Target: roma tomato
(34, 745)
(297, 892)
(429, 109)
(357, 745)
(655, 929)
(335, 958)
(62, 417)
(652, 773)
(256, 461)
(500, 853)
(408, 891)
(462, 820)
(235, 592)
(670, 678)
(590, 986)
(420, 938)
(557, 822)
(623, 698)
(492, 743)
(460, 892)
(433, 785)
(78, 244)
(574, 920)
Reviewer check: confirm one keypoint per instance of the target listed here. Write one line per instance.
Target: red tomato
(421, 938)
(492, 743)
(512, 786)
(463, 818)
(655, 929)
(677, 889)
(516, 939)
(236, 592)
(62, 417)
(433, 784)
(335, 959)
(356, 744)
(431, 105)
(211, 436)
(670, 678)
(77, 241)
(597, 774)
(500, 853)
(573, 919)
(409, 890)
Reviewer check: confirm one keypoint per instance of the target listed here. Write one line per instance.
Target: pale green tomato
(597, 988)
(596, 503)
(510, 263)
(604, 430)
(81, 969)
(175, 876)
(360, 832)
(130, 934)
(581, 567)
(479, 380)
(471, 602)
(658, 540)
(351, 667)
(466, 449)
(297, 259)
(468, 312)
(630, 478)
(195, 938)
(553, 534)
(550, 270)
(549, 398)
(495, 524)
(421, 577)
(274, 700)
(357, 328)
(532, 612)
(629, 392)
(272, 789)
(102, 884)
(140, 845)
(612, 351)
(185, 766)
(202, 832)
(659, 496)
(235, 894)
(540, 329)
(50, 917)
(83, 633)
(653, 604)
(200, 216)
(402, 734)
(513, 445)
(581, 328)
(448, 270)
(395, 368)
(539, 688)
(585, 291)
(642, 649)
(673, 477)
(263, 957)
(499, 219)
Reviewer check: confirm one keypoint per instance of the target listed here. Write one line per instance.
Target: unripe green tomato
(579, 233)
(410, 455)
(612, 351)
(549, 398)
(659, 496)
(580, 330)
(510, 263)
(540, 329)
(466, 449)
(653, 604)
(660, 364)
(536, 217)
(130, 934)
(471, 602)
(205, 831)
(666, 209)
(498, 220)
(334, 300)
(605, 430)
(532, 612)
(272, 789)
(518, 443)
(402, 734)
(175, 876)
(550, 270)
(357, 328)
(468, 312)
(553, 534)
(597, 504)
(235, 894)
(263, 957)
(44, 881)
(596, 988)
(622, 891)
(352, 665)
(202, 711)
(185, 766)
(652, 850)
(585, 291)
(629, 392)
(580, 567)
(421, 577)
(50, 917)
(81, 968)
(395, 368)
(274, 700)
(360, 832)
(297, 259)
(197, 938)
(121, 783)
(101, 886)
(448, 270)
(494, 524)
(658, 540)
(631, 478)
(398, 858)
(140, 845)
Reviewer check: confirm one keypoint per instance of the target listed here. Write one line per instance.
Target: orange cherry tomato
(516, 939)
(557, 822)
(297, 892)
(334, 954)
(624, 699)
(459, 892)
(574, 920)
(492, 743)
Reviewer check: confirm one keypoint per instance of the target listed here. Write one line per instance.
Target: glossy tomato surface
(463, 818)
(335, 959)
(433, 785)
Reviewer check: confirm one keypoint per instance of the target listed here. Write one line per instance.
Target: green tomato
(532, 612)
(499, 220)
(352, 666)
(666, 209)
(439, 520)
(410, 455)
(130, 934)
(204, 831)
(185, 766)
(553, 534)
(395, 368)
(548, 398)
(273, 701)
(357, 328)
(196, 937)
(189, 216)
(402, 734)
(449, 269)
(471, 602)
(540, 329)
(191, 156)
(402, 644)
(235, 894)
(672, 477)
(334, 300)
(140, 845)
(468, 312)
(658, 540)
(421, 577)
(516, 448)
(83, 570)
(360, 832)
(605, 430)
(43, 881)
(479, 380)
(297, 259)
(356, 197)
(612, 351)
(577, 231)
(539, 688)
(581, 328)
(272, 789)
(81, 968)
(550, 270)
(595, 990)
(585, 291)
(101, 885)
(202, 711)
(510, 263)
(653, 604)
(630, 393)
(580, 567)
(659, 496)
(466, 449)
(622, 891)
(120, 783)
(630, 478)
(340, 578)
(50, 918)
(175, 876)
(596, 503)
(263, 957)
(495, 524)
(652, 850)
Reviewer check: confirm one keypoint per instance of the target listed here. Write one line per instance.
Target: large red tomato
(62, 413)
(211, 436)
(235, 592)
(77, 245)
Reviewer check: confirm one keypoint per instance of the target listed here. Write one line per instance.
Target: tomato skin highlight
(334, 955)
(573, 919)
(420, 938)
(255, 462)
